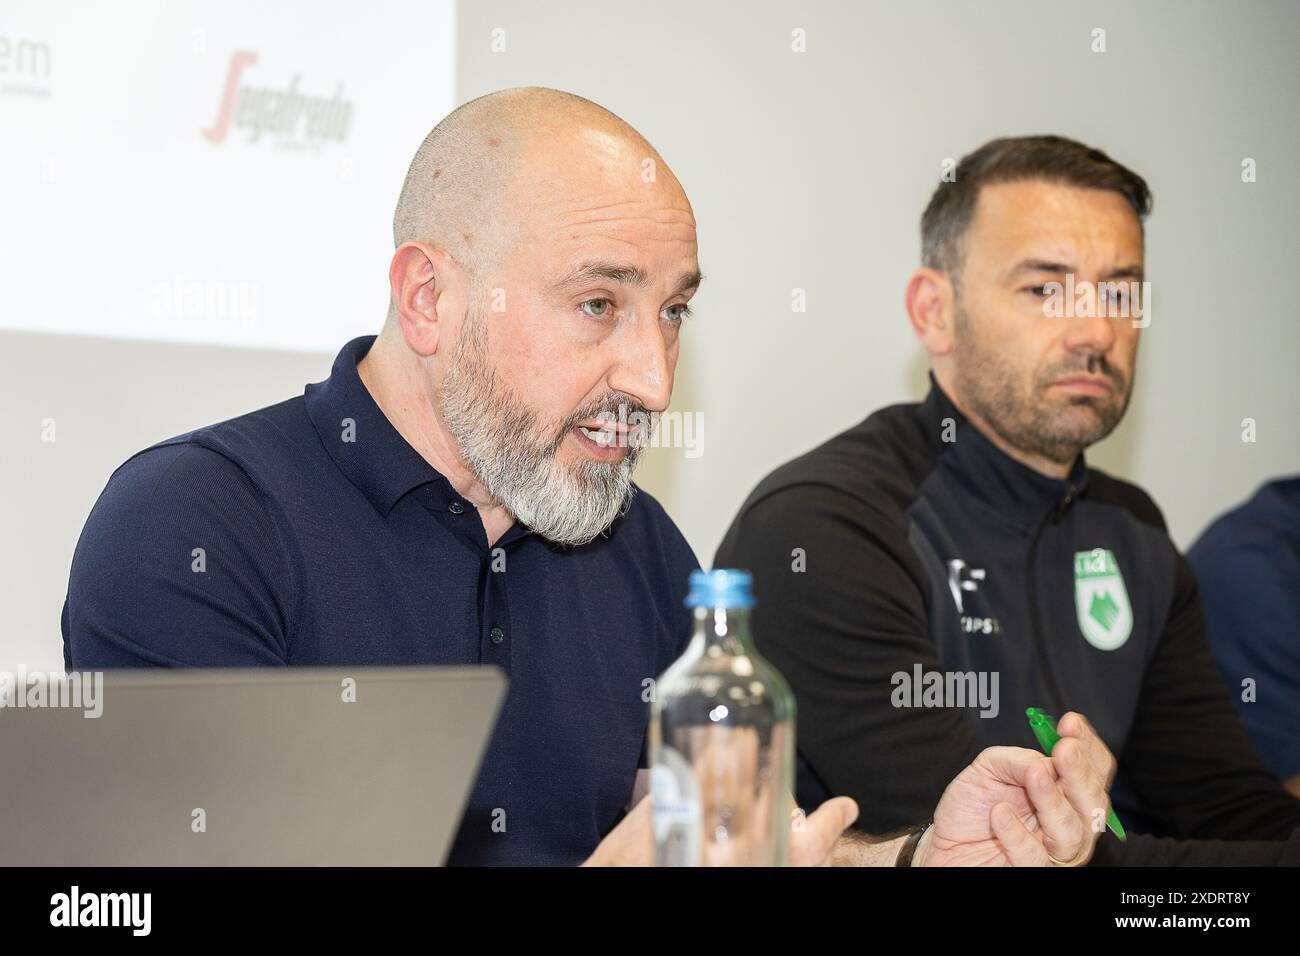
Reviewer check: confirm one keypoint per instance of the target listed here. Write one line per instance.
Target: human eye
(677, 313)
(596, 308)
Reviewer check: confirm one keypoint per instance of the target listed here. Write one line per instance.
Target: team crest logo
(1100, 599)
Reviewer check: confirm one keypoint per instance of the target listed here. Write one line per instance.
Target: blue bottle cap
(724, 587)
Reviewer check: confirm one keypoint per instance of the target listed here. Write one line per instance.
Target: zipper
(1035, 625)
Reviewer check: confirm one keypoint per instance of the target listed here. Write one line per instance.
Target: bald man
(459, 492)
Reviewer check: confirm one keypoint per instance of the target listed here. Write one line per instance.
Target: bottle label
(675, 809)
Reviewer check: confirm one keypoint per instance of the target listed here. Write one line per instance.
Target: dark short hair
(1016, 159)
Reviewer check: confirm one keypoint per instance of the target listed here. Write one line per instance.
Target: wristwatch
(909, 845)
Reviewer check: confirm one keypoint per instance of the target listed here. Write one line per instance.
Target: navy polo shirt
(311, 533)
(1247, 564)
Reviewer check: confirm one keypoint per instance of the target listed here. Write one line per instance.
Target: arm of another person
(1249, 581)
(180, 564)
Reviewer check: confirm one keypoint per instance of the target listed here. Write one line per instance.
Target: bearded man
(964, 542)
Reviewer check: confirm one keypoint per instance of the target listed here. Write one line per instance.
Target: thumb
(1021, 847)
(814, 837)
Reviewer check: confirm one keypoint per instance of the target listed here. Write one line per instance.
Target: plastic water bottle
(721, 740)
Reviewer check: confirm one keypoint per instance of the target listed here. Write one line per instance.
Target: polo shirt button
(497, 635)
(456, 508)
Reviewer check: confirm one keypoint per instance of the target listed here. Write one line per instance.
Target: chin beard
(569, 510)
(1028, 418)
(1036, 425)
(500, 439)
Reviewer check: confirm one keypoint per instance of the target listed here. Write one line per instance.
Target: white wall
(806, 170)
(811, 170)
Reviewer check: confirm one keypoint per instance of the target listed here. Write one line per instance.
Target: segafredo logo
(1101, 600)
(291, 119)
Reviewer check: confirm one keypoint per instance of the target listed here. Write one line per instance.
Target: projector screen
(219, 172)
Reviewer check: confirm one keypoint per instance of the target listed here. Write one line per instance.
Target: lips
(616, 427)
(1088, 384)
(610, 433)
(603, 444)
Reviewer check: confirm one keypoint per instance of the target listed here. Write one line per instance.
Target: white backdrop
(210, 172)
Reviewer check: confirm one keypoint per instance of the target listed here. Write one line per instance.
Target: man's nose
(642, 368)
(1093, 331)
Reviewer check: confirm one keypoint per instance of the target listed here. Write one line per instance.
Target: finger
(813, 839)
(1082, 786)
(639, 816)
(1079, 727)
(1064, 831)
(1020, 846)
(1010, 765)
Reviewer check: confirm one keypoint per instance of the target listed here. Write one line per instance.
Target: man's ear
(930, 302)
(430, 294)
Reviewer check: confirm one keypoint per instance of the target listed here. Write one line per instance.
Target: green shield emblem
(1100, 599)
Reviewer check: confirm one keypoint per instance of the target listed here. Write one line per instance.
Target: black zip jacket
(907, 564)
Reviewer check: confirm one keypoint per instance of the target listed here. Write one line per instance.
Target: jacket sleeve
(840, 609)
(1167, 851)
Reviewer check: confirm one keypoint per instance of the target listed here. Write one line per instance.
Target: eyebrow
(688, 282)
(623, 275)
(1044, 265)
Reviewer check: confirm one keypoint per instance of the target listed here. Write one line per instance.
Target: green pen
(1044, 727)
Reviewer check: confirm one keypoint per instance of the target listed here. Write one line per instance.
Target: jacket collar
(1023, 496)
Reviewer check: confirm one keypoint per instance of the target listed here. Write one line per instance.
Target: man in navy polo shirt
(459, 492)
(1247, 565)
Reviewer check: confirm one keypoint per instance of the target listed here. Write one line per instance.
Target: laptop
(292, 766)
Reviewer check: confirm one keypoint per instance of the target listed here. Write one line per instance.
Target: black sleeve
(1167, 851)
(841, 608)
(1188, 754)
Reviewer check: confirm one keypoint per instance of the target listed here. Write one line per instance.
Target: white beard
(500, 440)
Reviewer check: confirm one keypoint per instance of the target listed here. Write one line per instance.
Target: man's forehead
(637, 243)
(599, 215)
(1036, 207)
(1054, 217)
(651, 210)
(619, 253)
(613, 209)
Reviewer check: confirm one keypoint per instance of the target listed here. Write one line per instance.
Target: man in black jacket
(929, 574)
